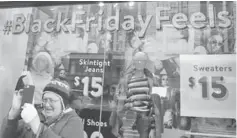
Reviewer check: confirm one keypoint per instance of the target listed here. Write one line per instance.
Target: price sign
(217, 84)
(87, 83)
(86, 73)
(208, 85)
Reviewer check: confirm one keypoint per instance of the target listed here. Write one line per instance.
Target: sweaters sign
(208, 87)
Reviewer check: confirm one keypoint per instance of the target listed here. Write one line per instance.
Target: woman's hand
(16, 104)
(30, 116)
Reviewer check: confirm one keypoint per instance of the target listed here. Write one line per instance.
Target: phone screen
(28, 94)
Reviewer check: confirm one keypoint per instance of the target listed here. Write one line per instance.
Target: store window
(136, 69)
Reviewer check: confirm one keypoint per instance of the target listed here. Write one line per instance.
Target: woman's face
(42, 63)
(164, 80)
(215, 44)
(52, 105)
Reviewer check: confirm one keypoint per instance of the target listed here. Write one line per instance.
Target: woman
(58, 119)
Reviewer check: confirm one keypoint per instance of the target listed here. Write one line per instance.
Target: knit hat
(60, 88)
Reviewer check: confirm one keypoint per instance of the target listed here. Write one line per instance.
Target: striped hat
(60, 88)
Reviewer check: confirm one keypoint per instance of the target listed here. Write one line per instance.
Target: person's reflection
(164, 80)
(62, 74)
(92, 48)
(215, 44)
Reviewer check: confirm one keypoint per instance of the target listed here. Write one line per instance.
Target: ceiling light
(131, 3)
(101, 4)
(115, 4)
(79, 7)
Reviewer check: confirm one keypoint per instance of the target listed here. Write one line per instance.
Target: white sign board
(208, 85)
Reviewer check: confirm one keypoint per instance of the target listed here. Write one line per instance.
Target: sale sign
(208, 85)
(86, 73)
(91, 121)
(90, 73)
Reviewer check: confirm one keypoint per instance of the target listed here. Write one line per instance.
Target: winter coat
(68, 126)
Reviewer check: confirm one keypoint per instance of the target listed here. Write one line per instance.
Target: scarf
(52, 121)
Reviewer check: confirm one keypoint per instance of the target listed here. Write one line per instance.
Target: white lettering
(160, 18)
(179, 20)
(197, 19)
(225, 21)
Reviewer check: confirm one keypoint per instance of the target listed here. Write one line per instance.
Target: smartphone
(28, 94)
(20, 83)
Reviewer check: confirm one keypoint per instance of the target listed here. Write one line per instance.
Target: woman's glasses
(49, 100)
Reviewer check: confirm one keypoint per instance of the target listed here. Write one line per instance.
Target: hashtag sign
(7, 27)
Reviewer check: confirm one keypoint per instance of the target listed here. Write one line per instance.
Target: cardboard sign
(162, 91)
(208, 85)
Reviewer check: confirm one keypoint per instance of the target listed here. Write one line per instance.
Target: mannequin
(139, 98)
(138, 81)
(41, 71)
(168, 122)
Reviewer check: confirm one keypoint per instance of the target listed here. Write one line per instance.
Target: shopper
(59, 121)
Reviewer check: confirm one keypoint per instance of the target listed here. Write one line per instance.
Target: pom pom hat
(60, 88)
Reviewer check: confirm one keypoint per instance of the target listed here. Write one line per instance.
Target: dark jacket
(69, 126)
